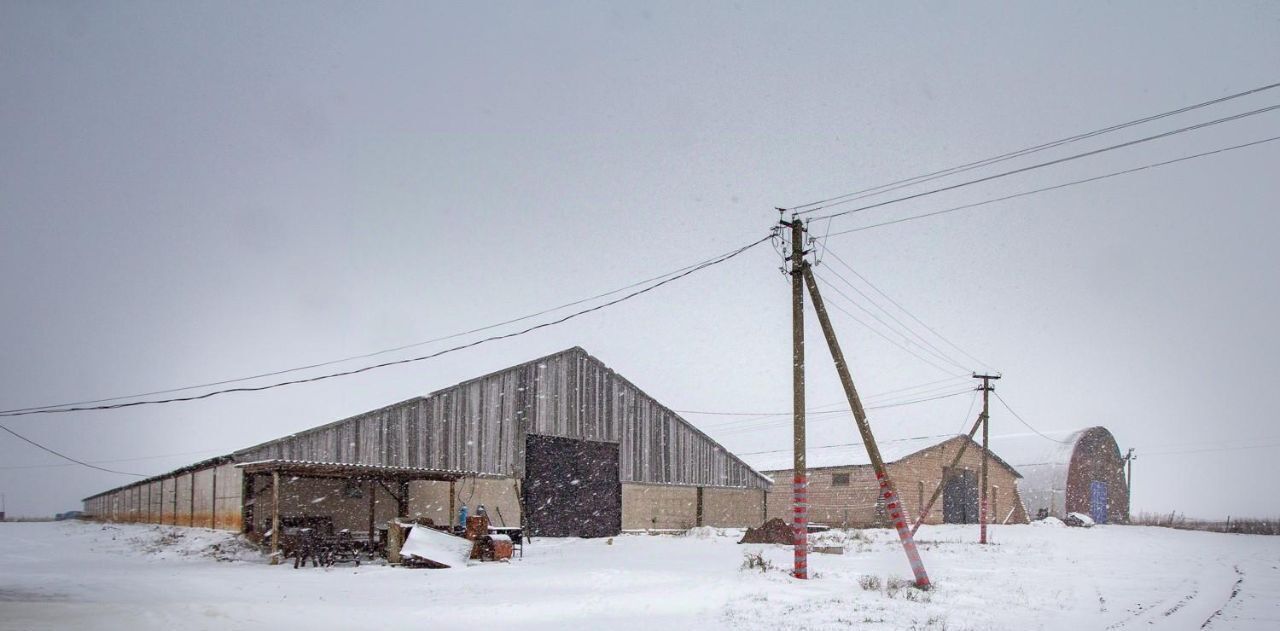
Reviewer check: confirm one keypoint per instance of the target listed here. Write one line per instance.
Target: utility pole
(800, 479)
(1128, 483)
(986, 449)
(892, 501)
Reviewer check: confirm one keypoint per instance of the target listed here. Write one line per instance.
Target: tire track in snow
(1235, 591)
(1147, 611)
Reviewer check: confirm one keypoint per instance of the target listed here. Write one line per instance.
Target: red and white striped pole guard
(893, 504)
(800, 525)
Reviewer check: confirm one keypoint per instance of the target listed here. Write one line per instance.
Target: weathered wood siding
(657, 445)
(480, 425)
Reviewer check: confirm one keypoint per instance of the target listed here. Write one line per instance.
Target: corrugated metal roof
(346, 467)
(203, 464)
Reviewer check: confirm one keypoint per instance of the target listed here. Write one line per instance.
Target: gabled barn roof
(855, 454)
(356, 439)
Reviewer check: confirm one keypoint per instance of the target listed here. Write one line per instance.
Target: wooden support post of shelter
(453, 499)
(275, 518)
(213, 498)
(402, 500)
(699, 518)
(373, 508)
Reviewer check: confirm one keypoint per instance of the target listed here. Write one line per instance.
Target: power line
(820, 407)
(904, 309)
(858, 444)
(969, 411)
(1208, 449)
(1024, 422)
(909, 332)
(734, 425)
(841, 309)
(1041, 165)
(894, 405)
(363, 355)
(760, 424)
(68, 464)
(884, 188)
(1054, 187)
(535, 327)
(66, 457)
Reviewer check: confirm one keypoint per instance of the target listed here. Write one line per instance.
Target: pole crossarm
(892, 501)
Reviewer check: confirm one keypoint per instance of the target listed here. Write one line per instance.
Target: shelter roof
(310, 468)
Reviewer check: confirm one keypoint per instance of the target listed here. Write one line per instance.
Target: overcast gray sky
(191, 192)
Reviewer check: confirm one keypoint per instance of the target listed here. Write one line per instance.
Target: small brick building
(843, 489)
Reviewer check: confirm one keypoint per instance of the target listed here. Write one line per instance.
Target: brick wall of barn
(916, 476)
(662, 506)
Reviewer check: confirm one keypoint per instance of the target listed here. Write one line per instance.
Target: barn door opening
(1098, 501)
(572, 488)
(960, 496)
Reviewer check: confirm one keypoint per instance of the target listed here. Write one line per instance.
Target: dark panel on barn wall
(960, 496)
(571, 487)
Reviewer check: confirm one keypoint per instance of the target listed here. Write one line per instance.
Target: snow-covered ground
(77, 575)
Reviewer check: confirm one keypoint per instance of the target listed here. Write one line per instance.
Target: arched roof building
(1079, 472)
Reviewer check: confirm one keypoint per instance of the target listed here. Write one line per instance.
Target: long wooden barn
(561, 445)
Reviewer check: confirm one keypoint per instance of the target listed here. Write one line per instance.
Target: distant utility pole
(800, 476)
(1128, 483)
(986, 447)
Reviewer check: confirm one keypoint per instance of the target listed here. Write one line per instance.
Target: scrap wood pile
(773, 531)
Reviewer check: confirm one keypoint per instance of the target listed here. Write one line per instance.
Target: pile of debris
(425, 545)
(773, 531)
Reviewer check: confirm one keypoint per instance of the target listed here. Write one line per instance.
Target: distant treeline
(1243, 526)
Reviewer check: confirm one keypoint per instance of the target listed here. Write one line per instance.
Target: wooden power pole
(800, 476)
(986, 450)
(892, 501)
